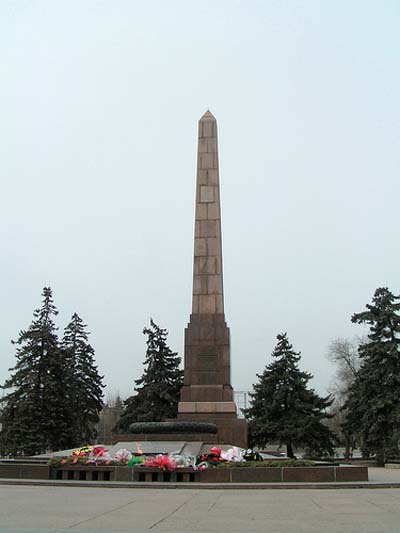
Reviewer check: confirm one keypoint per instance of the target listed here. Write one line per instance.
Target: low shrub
(289, 463)
(173, 427)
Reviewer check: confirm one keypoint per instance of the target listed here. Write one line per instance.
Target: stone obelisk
(207, 393)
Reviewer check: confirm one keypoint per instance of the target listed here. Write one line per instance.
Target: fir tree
(85, 386)
(284, 409)
(374, 398)
(157, 391)
(34, 417)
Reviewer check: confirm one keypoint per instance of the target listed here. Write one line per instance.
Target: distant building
(242, 398)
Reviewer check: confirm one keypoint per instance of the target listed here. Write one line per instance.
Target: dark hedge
(172, 427)
(288, 463)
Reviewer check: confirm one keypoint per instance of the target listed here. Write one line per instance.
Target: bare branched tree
(344, 354)
(109, 415)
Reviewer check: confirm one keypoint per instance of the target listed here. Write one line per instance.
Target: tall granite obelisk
(207, 393)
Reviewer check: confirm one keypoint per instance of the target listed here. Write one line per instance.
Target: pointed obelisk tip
(208, 116)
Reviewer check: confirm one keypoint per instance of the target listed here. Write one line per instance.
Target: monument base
(231, 430)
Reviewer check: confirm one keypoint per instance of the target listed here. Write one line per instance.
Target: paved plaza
(59, 508)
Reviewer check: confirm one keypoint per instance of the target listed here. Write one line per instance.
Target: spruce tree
(157, 391)
(283, 409)
(34, 416)
(85, 386)
(373, 407)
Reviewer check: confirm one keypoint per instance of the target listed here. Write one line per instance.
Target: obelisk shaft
(207, 269)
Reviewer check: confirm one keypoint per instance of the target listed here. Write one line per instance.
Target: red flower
(216, 451)
(163, 462)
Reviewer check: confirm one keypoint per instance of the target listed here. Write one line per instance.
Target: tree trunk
(347, 437)
(365, 453)
(289, 450)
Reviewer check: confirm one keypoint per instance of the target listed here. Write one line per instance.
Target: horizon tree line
(56, 393)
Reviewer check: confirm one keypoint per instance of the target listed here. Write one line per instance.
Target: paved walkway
(43, 508)
(384, 475)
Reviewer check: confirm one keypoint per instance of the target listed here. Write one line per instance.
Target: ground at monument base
(51, 509)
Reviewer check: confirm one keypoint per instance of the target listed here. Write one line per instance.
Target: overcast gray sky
(99, 108)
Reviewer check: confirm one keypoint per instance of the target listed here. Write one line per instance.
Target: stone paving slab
(201, 486)
(27, 506)
(59, 509)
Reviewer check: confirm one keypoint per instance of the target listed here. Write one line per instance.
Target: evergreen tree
(157, 391)
(374, 398)
(34, 417)
(85, 386)
(284, 409)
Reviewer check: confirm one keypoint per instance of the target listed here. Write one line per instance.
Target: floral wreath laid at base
(92, 456)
